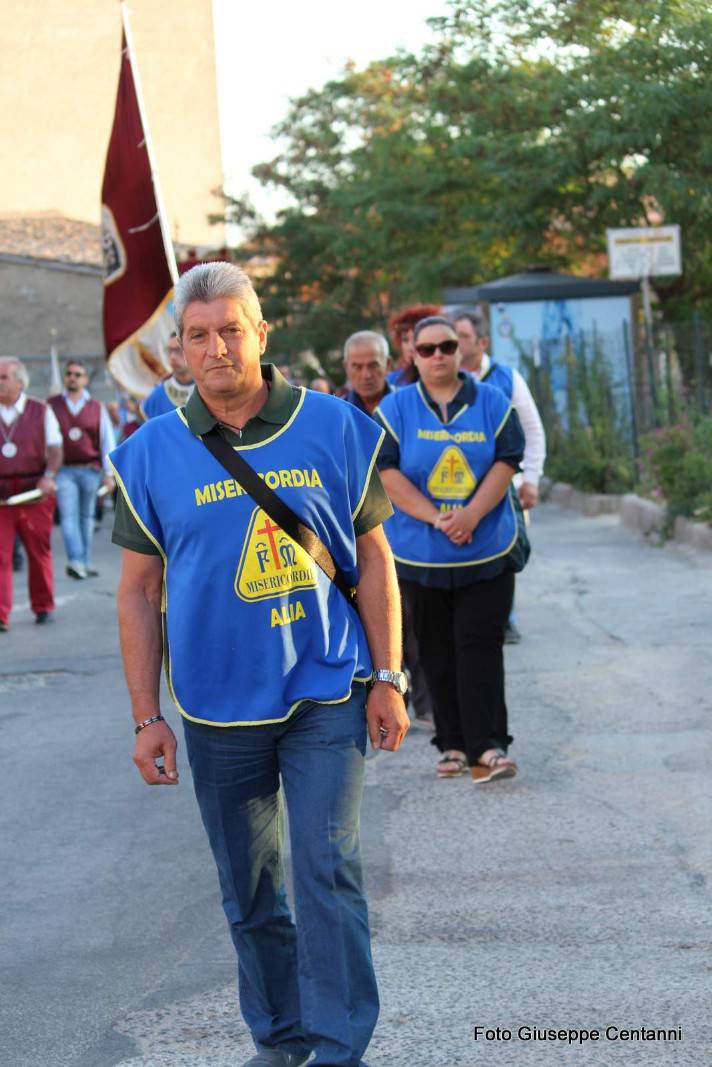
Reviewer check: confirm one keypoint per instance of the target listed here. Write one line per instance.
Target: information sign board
(644, 251)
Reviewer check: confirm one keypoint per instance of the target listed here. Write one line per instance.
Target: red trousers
(33, 523)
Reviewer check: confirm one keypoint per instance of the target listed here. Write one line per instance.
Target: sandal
(498, 765)
(456, 765)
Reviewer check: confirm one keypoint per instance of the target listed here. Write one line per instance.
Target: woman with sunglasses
(451, 448)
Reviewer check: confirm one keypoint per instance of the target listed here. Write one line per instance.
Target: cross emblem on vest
(271, 564)
(282, 554)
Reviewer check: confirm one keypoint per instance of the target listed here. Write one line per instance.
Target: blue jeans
(76, 498)
(309, 986)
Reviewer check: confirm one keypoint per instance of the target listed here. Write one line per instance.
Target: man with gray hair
(30, 456)
(366, 361)
(278, 678)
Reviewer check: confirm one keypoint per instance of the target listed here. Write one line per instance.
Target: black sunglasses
(74, 374)
(448, 348)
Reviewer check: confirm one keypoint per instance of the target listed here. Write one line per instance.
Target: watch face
(402, 682)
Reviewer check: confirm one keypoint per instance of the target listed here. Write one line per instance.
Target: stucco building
(58, 81)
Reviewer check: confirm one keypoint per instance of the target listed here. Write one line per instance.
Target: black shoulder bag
(277, 510)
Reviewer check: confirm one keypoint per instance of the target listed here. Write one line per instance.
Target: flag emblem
(271, 563)
(114, 252)
(451, 478)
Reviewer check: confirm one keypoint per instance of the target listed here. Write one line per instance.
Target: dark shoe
(272, 1057)
(76, 570)
(424, 722)
(4, 626)
(499, 766)
(512, 636)
(43, 617)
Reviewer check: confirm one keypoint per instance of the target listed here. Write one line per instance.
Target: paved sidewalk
(575, 896)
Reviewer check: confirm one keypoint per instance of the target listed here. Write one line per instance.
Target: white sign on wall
(644, 251)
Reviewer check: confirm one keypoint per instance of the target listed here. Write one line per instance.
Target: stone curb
(635, 512)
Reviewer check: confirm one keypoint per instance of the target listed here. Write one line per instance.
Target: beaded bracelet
(147, 722)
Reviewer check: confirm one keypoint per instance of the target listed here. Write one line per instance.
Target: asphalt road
(575, 896)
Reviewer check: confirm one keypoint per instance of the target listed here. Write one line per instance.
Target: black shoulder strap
(277, 510)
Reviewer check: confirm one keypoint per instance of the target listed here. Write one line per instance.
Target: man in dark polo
(279, 680)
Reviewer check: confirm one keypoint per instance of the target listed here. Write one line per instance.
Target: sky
(271, 50)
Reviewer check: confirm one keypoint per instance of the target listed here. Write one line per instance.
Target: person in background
(88, 437)
(320, 385)
(175, 390)
(451, 448)
(473, 337)
(365, 363)
(30, 457)
(400, 327)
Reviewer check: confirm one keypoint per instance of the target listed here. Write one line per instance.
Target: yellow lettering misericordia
(462, 437)
(288, 613)
(293, 478)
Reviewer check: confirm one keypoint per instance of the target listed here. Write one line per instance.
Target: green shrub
(676, 468)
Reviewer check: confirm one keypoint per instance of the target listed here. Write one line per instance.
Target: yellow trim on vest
(506, 416)
(456, 416)
(390, 429)
(374, 457)
(268, 722)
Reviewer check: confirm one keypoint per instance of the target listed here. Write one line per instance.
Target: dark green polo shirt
(277, 410)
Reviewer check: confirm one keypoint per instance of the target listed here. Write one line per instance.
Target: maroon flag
(138, 277)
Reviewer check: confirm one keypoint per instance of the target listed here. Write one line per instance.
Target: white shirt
(107, 440)
(526, 409)
(53, 434)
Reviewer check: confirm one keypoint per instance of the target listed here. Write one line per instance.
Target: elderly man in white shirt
(30, 457)
(473, 338)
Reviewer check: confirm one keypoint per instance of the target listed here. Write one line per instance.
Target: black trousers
(460, 635)
(418, 691)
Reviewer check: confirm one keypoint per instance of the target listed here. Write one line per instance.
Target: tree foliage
(521, 132)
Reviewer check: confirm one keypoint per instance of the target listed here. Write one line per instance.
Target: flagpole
(167, 242)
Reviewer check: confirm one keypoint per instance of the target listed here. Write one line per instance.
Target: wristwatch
(395, 678)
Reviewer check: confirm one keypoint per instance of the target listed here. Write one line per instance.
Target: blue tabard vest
(157, 403)
(252, 626)
(447, 462)
(501, 377)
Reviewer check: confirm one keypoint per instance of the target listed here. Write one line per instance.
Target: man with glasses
(88, 438)
(30, 456)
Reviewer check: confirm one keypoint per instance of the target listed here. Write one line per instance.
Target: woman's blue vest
(252, 626)
(446, 462)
